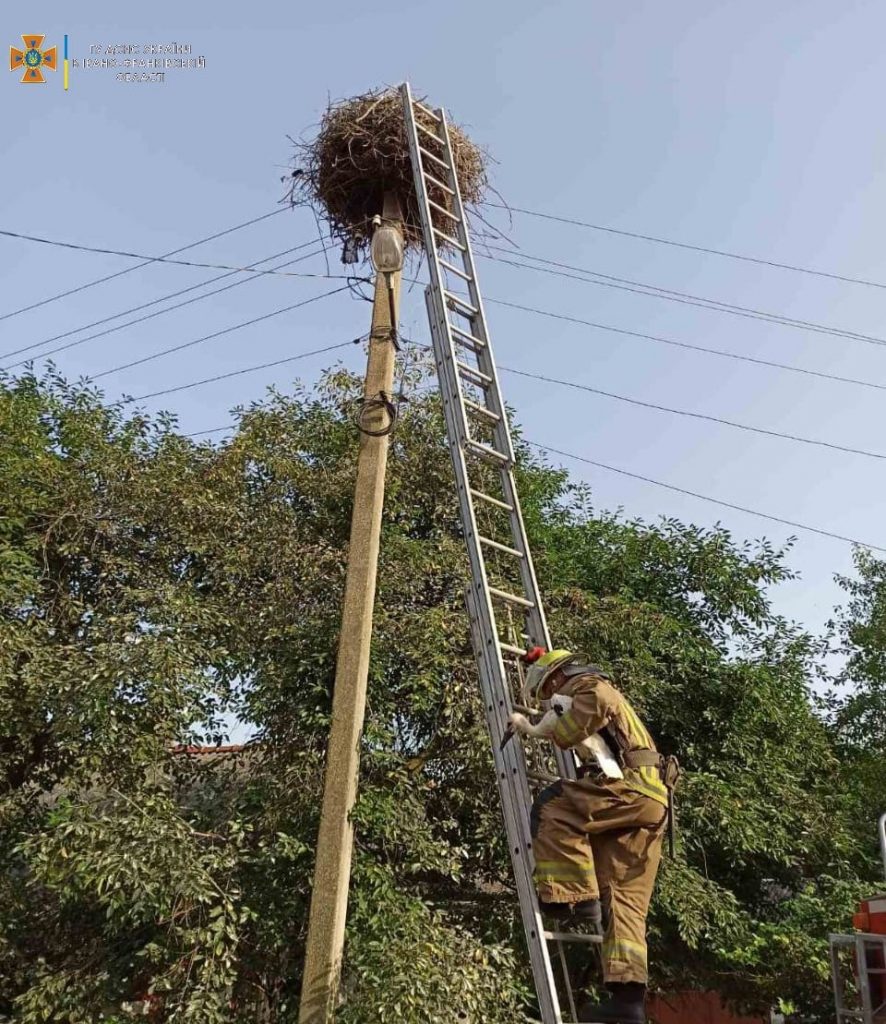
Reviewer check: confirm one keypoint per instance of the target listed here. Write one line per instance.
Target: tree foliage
(857, 705)
(152, 585)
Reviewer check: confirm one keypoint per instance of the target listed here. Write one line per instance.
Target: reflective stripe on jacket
(596, 705)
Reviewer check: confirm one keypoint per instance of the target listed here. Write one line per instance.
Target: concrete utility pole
(329, 902)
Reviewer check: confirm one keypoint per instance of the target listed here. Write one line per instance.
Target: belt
(643, 759)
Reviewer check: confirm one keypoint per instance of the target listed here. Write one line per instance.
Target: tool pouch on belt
(670, 772)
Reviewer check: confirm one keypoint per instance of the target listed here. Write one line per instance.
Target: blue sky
(747, 126)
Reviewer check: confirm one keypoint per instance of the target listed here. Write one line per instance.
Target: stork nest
(361, 152)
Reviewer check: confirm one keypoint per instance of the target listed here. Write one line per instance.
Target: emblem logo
(33, 59)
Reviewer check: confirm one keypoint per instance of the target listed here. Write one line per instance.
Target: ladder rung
(444, 211)
(480, 378)
(519, 651)
(489, 542)
(450, 240)
(469, 345)
(503, 595)
(488, 453)
(455, 300)
(436, 181)
(498, 504)
(425, 110)
(476, 343)
(431, 156)
(595, 940)
(481, 410)
(427, 131)
(463, 274)
(541, 777)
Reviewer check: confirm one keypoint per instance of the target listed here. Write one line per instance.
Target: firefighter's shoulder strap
(578, 665)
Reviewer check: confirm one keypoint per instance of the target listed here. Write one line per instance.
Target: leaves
(151, 588)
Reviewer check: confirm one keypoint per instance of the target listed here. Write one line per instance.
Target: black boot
(624, 1006)
(589, 911)
(586, 910)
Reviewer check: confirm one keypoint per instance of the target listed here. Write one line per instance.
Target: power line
(672, 341)
(128, 270)
(239, 373)
(687, 345)
(694, 415)
(259, 366)
(211, 430)
(164, 259)
(153, 302)
(657, 483)
(705, 497)
(558, 451)
(159, 312)
(218, 334)
(693, 248)
(682, 412)
(686, 299)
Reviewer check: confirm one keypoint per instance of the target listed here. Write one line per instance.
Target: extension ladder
(503, 599)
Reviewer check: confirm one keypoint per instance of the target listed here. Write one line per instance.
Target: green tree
(151, 585)
(858, 705)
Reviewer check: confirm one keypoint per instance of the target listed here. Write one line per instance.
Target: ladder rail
(510, 764)
(503, 435)
(514, 808)
(487, 604)
(537, 623)
(429, 232)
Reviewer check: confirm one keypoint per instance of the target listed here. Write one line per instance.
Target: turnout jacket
(598, 707)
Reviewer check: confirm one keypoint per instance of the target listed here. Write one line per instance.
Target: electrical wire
(656, 483)
(218, 334)
(613, 282)
(211, 430)
(239, 373)
(163, 259)
(159, 312)
(686, 299)
(556, 451)
(687, 345)
(153, 302)
(685, 245)
(679, 412)
(705, 497)
(693, 415)
(128, 270)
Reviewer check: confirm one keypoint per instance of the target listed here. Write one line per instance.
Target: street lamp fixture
(386, 249)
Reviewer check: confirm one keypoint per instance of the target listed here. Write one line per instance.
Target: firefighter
(597, 839)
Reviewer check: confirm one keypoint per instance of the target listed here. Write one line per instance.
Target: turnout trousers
(597, 838)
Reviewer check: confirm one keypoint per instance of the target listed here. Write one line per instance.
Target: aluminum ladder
(503, 599)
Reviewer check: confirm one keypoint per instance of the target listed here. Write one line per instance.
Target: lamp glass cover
(387, 249)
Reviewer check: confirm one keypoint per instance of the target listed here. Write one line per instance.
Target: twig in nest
(361, 152)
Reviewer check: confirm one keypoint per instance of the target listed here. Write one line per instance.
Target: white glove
(520, 723)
